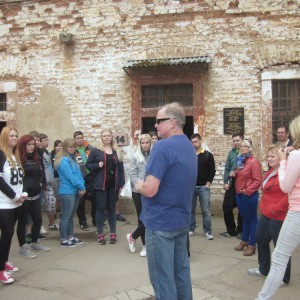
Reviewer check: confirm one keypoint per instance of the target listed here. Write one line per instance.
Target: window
(158, 95)
(286, 102)
(2, 101)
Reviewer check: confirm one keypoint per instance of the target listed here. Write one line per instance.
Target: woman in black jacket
(32, 185)
(107, 165)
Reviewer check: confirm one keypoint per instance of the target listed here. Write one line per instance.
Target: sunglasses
(158, 121)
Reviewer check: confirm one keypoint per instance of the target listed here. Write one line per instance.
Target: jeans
(248, 209)
(140, 230)
(229, 204)
(169, 265)
(204, 199)
(106, 200)
(267, 230)
(288, 240)
(69, 204)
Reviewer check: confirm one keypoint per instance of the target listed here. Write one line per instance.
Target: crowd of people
(175, 168)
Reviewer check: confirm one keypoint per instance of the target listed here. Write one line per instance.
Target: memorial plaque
(233, 120)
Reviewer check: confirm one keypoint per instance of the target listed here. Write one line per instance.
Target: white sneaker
(143, 253)
(131, 242)
(43, 230)
(191, 233)
(39, 247)
(255, 272)
(25, 252)
(209, 236)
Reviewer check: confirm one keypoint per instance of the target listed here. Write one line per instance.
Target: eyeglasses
(158, 121)
(71, 147)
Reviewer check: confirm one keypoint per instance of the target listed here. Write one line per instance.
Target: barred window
(158, 95)
(2, 101)
(286, 102)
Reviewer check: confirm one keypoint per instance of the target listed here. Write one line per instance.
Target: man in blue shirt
(167, 194)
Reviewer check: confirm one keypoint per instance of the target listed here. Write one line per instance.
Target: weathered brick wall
(243, 38)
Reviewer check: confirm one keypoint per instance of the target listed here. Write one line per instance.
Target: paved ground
(111, 272)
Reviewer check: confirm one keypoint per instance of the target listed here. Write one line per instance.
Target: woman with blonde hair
(289, 236)
(273, 207)
(71, 187)
(137, 172)
(107, 165)
(248, 179)
(11, 197)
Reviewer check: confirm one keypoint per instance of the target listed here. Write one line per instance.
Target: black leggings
(33, 208)
(140, 230)
(8, 218)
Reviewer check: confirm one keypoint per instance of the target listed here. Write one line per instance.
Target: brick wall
(243, 38)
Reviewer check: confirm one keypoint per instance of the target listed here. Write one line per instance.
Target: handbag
(126, 191)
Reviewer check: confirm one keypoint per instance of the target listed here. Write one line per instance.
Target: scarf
(241, 160)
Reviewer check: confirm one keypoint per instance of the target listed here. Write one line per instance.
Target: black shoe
(84, 227)
(42, 237)
(121, 218)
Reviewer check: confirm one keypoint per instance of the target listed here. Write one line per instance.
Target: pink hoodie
(289, 179)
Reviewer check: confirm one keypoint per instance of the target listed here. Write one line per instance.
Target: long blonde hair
(113, 145)
(63, 152)
(4, 147)
(295, 132)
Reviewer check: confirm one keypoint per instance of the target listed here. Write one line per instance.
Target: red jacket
(249, 178)
(274, 202)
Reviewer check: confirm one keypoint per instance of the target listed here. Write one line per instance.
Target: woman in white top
(11, 197)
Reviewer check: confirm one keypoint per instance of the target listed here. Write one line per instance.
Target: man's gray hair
(175, 110)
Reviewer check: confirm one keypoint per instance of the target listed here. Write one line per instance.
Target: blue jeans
(69, 204)
(288, 240)
(247, 206)
(267, 230)
(204, 199)
(169, 265)
(106, 201)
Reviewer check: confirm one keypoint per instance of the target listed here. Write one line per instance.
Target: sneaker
(121, 218)
(283, 284)
(42, 237)
(101, 239)
(28, 238)
(43, 230)
(10, 267)
(67, 244)
(54, 227)
(131, 242)
(25, 252)
(39, 247)
(143, 253)
(255, 272)
(224, 235)
(191, 233)
(84, 227)
(209, 236)
(239, 236)
(5, 277)
(113, 238)
(76, 241)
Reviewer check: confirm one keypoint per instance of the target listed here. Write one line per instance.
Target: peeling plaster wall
(83, 86)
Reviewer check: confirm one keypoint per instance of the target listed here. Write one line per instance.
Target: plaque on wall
(233, 120)
(121, 138)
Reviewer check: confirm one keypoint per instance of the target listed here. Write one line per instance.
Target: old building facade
(93, 64)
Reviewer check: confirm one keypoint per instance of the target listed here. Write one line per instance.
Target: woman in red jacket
(273, 207)
(248, 180)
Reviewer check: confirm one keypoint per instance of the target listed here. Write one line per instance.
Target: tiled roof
(167, 62)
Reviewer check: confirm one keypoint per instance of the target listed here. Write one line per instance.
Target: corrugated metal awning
(167, 62)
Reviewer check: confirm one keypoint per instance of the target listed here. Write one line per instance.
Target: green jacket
(230, 164)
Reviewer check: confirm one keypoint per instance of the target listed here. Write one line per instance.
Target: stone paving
(111, 272)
